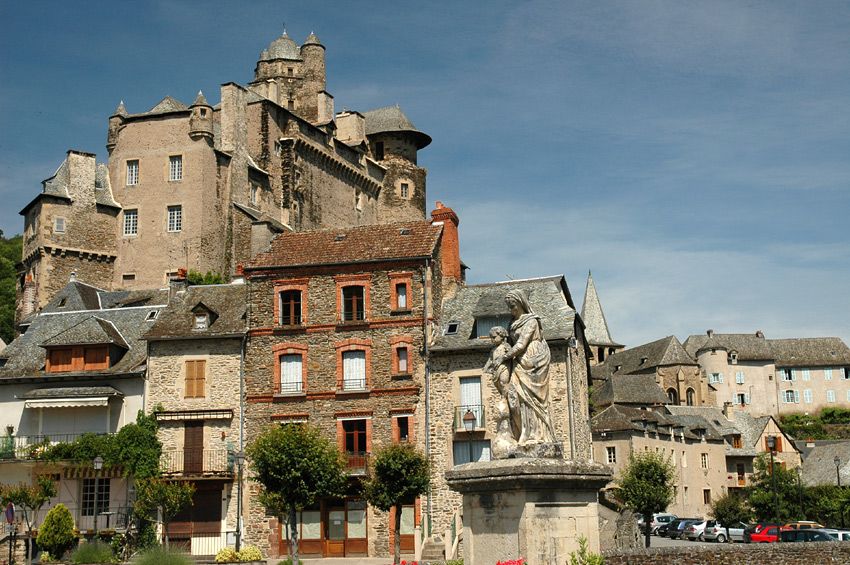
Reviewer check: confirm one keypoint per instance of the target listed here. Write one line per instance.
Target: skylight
(339, 237)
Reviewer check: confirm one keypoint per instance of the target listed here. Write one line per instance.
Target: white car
(715, 531)
(837, 535)
(694, 531)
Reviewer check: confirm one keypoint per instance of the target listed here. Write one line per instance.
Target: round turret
(201, 121)
(283, 48)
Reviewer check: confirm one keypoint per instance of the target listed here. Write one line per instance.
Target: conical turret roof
(200, 100)
(596, 329)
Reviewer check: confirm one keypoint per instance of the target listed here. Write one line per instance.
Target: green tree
(195, 277)
(760, 492)
(10, 255)
(56, 534)
(646, 485)
(30, 498)
(164, 498)
(400, 473)
(729, 509)
(295, 465)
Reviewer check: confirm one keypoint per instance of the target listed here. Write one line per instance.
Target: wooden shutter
(195, 378)
(193, 446)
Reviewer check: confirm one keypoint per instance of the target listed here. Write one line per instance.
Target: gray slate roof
(392, 119)
(749, 347)
(626, 418)
(809, 352)
(91, 330)
(72, 392)
(749, 427)
(58, 185)
(591, 313)
(630, 390)
(819, 466)
(549, 298)
(225, 302)
(645, 358)
(26, 356)
(284, 47)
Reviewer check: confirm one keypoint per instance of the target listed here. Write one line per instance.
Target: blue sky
(694, 156)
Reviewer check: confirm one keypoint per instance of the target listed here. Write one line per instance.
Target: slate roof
(284, 47)
(630, 389)
(351, 245)
(749, 427)
(749, 347)
(71, 392)
(626, 418)
(819, 466)
(79, 320)
(57, 186)
(644, 358)
(809, 352)
(392, 119)
(591, 313)
(549, 298)
(227, 303)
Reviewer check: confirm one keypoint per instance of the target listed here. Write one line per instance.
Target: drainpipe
(425, 280)
(570, 343)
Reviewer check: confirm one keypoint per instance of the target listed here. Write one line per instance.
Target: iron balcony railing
(198, 462)
(358, 462)
(358, 383)
(29, 446)
(288, 388)
(108, 518)
(460, 411)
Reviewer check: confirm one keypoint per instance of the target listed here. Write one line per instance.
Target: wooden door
(335, 531)
(193, 447)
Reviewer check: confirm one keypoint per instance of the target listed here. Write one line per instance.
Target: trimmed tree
(295, 465)
(400, 473)
(646, 485)
(56, 534)
(760, 495)
(30, 498)
(164, 498)
(730, 509)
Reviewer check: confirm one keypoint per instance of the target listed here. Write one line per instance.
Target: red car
(767, 534)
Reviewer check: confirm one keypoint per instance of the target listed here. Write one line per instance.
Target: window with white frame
(807, 396)
(827, 373)
(612, 454)
(59, 225)
(401, 295)
(844, 373)
(95, 501)
(175, 167)
(830, 396)
(175, 218)
(742, 398)
(788, 374)
(291, 373)
(133, 172)
(715, 378)
(790, 397)
(354, 370)
(703, 460)
(131, 222)
(805, 374)
(480, 450)
(739, 377)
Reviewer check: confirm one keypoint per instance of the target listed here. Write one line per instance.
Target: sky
(694, 156)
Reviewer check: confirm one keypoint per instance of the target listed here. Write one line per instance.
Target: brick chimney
(446, 217)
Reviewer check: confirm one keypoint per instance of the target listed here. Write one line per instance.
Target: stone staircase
(434, 549)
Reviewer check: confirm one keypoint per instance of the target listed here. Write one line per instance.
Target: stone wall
(813, 553)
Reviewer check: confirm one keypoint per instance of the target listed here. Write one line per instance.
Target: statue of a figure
(519, 367)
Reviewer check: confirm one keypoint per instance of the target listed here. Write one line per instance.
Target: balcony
(200, 462)
(112, 517)
(460, 411)
(28, 447)
(288, 388)
(358, 463)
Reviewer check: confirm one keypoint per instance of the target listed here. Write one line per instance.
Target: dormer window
(152, 315)
(201, 321)
(484, 324)
(62, 302)
(451, 329)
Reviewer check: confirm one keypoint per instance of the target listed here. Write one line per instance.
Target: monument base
(530, 508)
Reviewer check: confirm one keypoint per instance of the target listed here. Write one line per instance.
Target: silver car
(837, 535)
(715, 531)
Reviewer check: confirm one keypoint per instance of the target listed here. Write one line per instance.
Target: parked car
(659, 520)
(754, 529)
(837, 535)
(694, 530)
(676, 527)
(803, 525)
(804, 534)
(768, 534)
(717, 532)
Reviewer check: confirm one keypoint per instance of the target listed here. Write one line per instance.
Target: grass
(158, 555)
(93, 552)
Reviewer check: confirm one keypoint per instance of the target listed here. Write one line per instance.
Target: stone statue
(519, 368)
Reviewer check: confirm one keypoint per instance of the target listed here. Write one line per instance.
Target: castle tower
(201, 120)
(597, 334)
(116, 122)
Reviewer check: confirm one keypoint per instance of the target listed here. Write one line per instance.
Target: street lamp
(837, 462)
(98, 465)
(469, 426)
(771, 443)
(240, 461)
(800, 485)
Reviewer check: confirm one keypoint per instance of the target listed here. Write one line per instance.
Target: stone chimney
(351, 126)
(709, 333)
(178, 284)
(234, 123)
(447, 218)
(728, 411)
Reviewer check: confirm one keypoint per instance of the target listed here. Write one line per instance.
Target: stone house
(690, 443)
(597, 333)
(337, 325)
(774, 376)
(461, 347)
(206, 187)
(79, 367)
(194, 384)
(674, 370)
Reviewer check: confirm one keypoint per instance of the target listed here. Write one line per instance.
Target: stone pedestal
(529, 508)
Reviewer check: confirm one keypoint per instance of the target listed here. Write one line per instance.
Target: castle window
(59, 225)
(401, 429)
(452, 328)
(611, 452)
(175, 169)
(379, 150)
(131, 222)
(255, 190)
(175, 218)
(289, 71)
(203, 112)
(133, 172)
(290, 105)
(128, 278)
(690, 397)
(405, 190)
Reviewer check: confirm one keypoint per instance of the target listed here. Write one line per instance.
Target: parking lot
(658, 541)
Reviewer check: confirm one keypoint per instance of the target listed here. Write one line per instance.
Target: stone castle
(207, 187)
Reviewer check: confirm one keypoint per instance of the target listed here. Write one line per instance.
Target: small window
(353, 304)
(611, 453)
(297, 178)
(175, 169)
(175, 218)
(830, 396)
(402, 424)
(290, 105)
(405, 190)
(401, 295)
(62, 302)
(131, 222)
(401, 352)
(133, 172)
(290, 308)
(59, 225)
(715, 378)
(451, 329)
(152, 315)
(404, 232)
(703, 459)
(739, 377)
(339, 238)
(201, 321)
(203, 112)
(128, 278)
(736, 441)
(706, 496)
(354, 370)
(808, 398)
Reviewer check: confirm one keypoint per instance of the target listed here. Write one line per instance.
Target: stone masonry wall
(814, 553)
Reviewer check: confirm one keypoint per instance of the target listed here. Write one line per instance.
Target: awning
(67, 402)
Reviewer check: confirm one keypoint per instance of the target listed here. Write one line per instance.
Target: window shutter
(291, 373)
(793, 374)
(720, 377)
(747, 398)
(796, 397)
(354, 368)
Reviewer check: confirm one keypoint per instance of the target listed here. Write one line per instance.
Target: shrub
(56, 535)
(455, 561)
(250, 553)
(93, 552)
(226, 555)
(288, 561)
(158, 555)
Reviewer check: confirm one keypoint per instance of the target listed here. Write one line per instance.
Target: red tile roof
(350, 245)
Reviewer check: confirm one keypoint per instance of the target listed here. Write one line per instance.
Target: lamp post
(771, 443)
(837, 462)
(98, 465)
(469, 426)
(240, 461)
(800, 485)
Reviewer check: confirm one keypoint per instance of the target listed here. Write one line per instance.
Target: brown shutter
(195, 377)
(193, 446)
